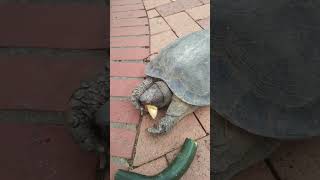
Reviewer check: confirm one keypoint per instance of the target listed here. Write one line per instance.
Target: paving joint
(175, 33)
(272, 169)
(196, 21)
(134, 167)
(123, 126)
(136, 141)
(119, 160)
(120, 98)
(33, 117)
(200, 123)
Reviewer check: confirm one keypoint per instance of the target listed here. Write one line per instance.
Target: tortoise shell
(184, 66)
(266, 66)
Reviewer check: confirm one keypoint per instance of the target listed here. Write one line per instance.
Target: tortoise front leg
(138, 91)
(177, 110)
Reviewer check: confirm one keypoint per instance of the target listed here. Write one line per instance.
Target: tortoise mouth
(153, 110)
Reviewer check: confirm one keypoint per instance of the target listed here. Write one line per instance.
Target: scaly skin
(176, 111)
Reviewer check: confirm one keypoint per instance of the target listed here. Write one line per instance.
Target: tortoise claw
(156, 131)
(161, 129)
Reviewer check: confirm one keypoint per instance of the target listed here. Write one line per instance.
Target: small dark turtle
(178, 77)
(265, 78)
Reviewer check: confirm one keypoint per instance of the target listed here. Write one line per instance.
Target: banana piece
(153, 111)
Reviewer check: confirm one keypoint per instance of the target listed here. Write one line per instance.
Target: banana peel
(153, 111)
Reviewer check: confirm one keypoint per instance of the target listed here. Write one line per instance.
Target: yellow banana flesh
(153, 111)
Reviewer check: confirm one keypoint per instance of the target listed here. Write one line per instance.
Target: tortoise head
(158, 95)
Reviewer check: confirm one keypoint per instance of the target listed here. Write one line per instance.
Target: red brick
(129, 7)
(129, 31)
(30, 151)
(121, 142)
(123, 112)
(40, 81)
(124, 2)
(141, 41)
(129, 14)
(123, 87)
(77, 26)
(128, 53)
(127, 69)
(177, 6)
(129, 22)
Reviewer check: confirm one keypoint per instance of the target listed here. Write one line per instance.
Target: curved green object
(173, 172)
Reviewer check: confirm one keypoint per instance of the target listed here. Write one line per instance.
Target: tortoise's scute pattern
(185, 66)
(266, 66)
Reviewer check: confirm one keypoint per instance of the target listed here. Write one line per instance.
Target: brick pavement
(142, 27)
(139, 28)
(129, 43)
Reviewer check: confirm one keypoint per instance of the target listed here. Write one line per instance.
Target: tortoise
(178, 78)
(265, 79)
